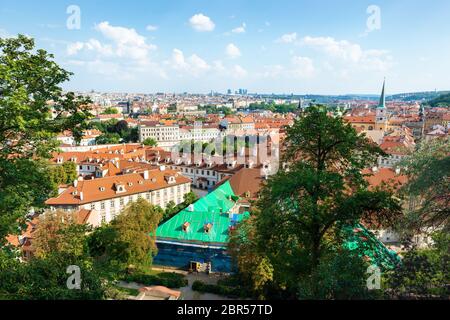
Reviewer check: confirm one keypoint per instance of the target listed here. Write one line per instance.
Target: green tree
(70, 169)
(57, 175)
(46, 279)
(58, 242)
(189, 198)
(303, 208)
(423, 273)
(110, 110)
(59, 233)
(131, 236)
(33, 109)
(108, 138)
(150, 142)
(428, 186)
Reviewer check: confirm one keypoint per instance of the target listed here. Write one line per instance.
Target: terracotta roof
(160, 291)
(246, 180)
(384, 175)
(82, 216)
(105, 188)
(360, 119)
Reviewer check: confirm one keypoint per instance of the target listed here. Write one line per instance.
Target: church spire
(382, 103)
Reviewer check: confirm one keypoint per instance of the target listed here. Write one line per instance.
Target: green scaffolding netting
(213, 209)
(361, 239)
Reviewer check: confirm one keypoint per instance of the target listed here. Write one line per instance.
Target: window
(112, 203)
(102, 205)
(92, 206)
(121, 202)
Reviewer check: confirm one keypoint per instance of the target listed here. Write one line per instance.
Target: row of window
(197, 171)
(156, 197)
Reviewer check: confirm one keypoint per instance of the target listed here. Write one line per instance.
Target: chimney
(81, 196)
(146, 175)
(397, 171)
(375, 169)
(75, 183)
(162, 168)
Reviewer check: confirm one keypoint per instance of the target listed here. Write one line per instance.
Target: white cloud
(342, 49)
(240, 29)
(151, 28)
(202, 23)
(345, 51)
(124, 53)
(194, 65)
(218, 66)
(303, 67)
(129, 43)
(273, 71)
(74, 48)
(198, 63)
(288, 38)
(299, 67)
(239, 72)
(124, 43)
(232, 51)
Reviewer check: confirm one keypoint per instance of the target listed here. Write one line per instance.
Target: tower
(381, 114)
(422, 116)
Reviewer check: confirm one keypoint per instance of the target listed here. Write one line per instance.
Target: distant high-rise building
(229, 91)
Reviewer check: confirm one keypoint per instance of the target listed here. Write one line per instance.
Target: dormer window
(119, 187)
(102, 188)
(170, 179)
(130, 184)
(141, 182)
(207, 227)
(186, 226)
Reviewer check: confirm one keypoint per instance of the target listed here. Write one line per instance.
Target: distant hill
(405, 97)
(443, 99)
(416, 96)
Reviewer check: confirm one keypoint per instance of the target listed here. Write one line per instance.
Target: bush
(166, 279)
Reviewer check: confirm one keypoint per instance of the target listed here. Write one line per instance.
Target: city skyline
(196, 46)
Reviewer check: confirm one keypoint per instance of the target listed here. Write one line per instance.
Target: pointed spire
(382, 103)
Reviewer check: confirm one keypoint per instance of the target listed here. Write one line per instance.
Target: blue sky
(321, 47)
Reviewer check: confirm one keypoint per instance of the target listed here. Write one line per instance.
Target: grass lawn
(128, 291)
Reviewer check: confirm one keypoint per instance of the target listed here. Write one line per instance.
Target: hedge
(219, 289)
(166, 279)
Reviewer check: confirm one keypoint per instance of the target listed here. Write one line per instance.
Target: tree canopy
(428, 185)
(302, 210)
(129, 239)
(33, 109)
